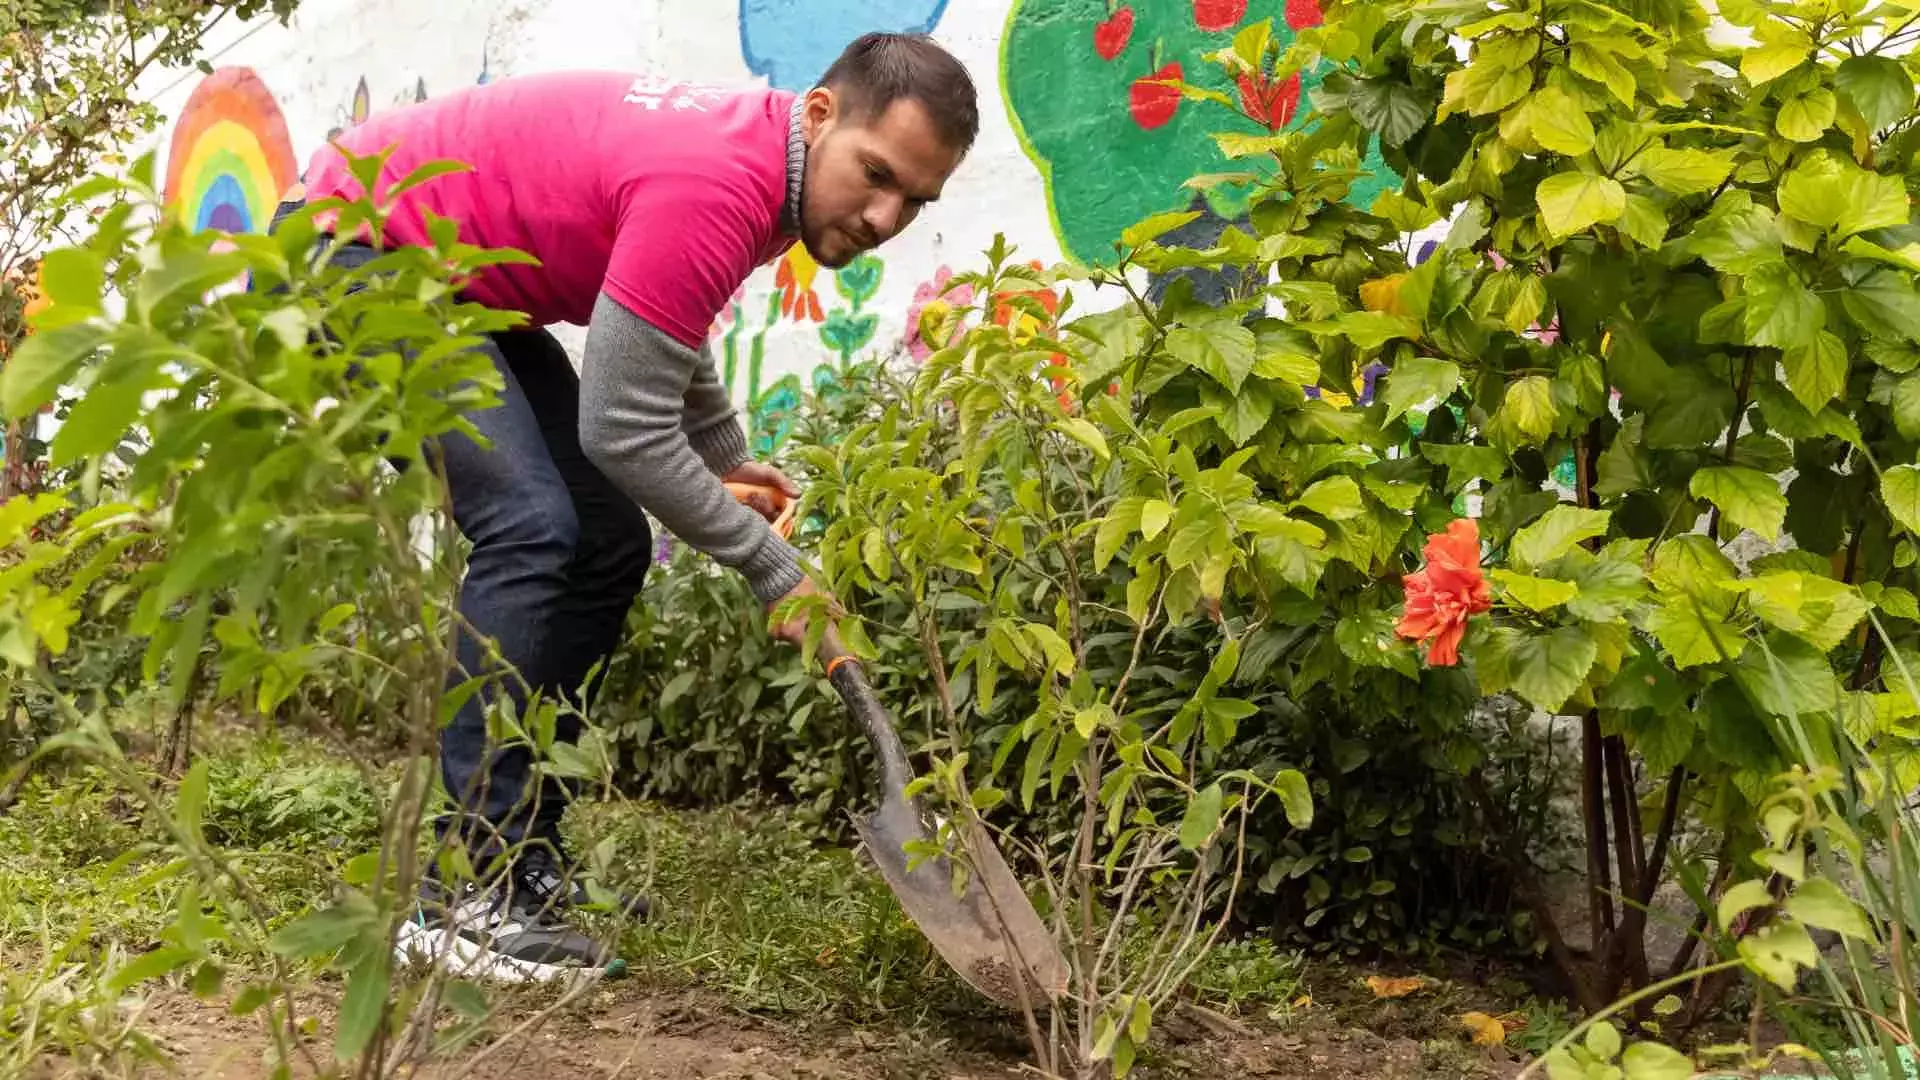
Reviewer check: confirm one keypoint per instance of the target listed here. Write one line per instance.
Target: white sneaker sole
(465, 959)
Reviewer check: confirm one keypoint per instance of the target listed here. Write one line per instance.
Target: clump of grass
(746, 903)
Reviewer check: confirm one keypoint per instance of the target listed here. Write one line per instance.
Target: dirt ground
(630, 1032)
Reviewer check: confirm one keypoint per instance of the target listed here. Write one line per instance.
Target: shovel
(990, 933)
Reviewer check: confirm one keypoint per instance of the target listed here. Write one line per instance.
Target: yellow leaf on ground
(1304, 1001)
(1486, 1030)
(1384, 987)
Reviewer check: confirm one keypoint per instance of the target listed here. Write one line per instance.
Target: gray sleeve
(634, 382)
(710, 421)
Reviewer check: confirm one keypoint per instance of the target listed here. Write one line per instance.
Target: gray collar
(796, 170)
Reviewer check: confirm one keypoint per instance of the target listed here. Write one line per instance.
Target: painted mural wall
(1074, 145)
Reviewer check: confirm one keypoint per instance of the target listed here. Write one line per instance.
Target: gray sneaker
(512, 932)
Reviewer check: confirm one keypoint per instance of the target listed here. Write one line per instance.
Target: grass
(748, 904)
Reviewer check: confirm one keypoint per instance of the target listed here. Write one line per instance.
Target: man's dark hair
(879, 69)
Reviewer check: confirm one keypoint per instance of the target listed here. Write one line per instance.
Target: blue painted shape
(791, 42)
(224, 207)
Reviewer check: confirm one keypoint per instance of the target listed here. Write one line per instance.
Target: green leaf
(1603, 1041)
(1603, 67)
(1527, 413)
(1788, 677)
(73, 278)
(1737, 236)
(1555, 534)
(1285, 354)
(1415, 380)
(1394, 110)
(1900, 490)
(1535, 593)
(1692, 633)
(1749, 498)
(363, 1008)
(42, 363)
(1652, 1061)
(1571, 202)
(1336, 497)
(1878, 86)
(1607, 589)
(1778, 952)
(1155, 227)
(1644, 221)
(1221, 348)
(1817, 371)
(1886, 305)
(1464, 464)
(1296, 798)
(150, 965)
(1119, 524)
(1820, 903)
(1544, 668)
(1806, 117)
(1781, 313)
(1830, 192)
(1741, 899)
(1559, 123)
(1776, 54)
(317, 934)
(1083, 432)
(1154, 515)
(1202, 818)
(1684, 172)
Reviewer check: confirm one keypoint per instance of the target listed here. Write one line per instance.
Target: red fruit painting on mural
(1151, 100)
(1270, 103)
(1218, 14)
(1303, 13)
(1111, 36)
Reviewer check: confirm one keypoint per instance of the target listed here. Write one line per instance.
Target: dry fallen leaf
(1304, 1001)
(1384, 987)
(1486, 1030)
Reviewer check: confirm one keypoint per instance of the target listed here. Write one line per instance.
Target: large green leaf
(1817, 370)
(1747, 497)
(1535, 593)
(363, 1007)
(1788, 677)
(1544, 668)
(1652, 1061)
(1555, 534)
(1806, 117)
(1886, 305)
(1336, 497)
(1693, 634)
(1559, 122)
(1571, 202)
(1608, 589)
(1821, 903)
(1527, 412)
(1394, 110)
(1220, 347)
(1696, 410)
(1781, 312)
(1202, 817)
(1684, 172)
(1831, 192)
(1737, 236)
(1878, 86)
(1900, 489)
(43, 361)
(1416, 379)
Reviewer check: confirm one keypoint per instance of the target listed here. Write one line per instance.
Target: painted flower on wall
(932, 301)
(728, 314)
(794, 278)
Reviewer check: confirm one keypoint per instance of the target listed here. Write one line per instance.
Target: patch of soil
(629, 1031)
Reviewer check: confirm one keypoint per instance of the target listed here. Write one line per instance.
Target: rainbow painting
(231, 158)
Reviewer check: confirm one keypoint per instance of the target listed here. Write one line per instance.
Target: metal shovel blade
(990, 934)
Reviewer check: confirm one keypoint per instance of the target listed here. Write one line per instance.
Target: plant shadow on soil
(770, 955)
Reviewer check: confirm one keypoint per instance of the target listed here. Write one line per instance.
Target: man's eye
(874, 176)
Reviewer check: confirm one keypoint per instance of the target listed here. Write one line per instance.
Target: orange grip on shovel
(783, 523)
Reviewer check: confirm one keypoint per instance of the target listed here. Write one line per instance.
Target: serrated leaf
(1684, 172)
(1559, 123)
(1556, 533)
(1900, 490)
(1416, 380)
(1693, 634)
(1781, 312)
(1878, 86)
(1644, 221)
(1737, 236)
(1806, 117)
(1774, 56)
(1748, 498)
(1527, 412)
(1223, 349)
(1544, 668)
(1572, 202)
(362, 1009)
(1820, 903)
(1535, 593)
(1336, 497)
(1817, 370)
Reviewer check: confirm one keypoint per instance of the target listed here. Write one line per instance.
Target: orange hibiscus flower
(1444, 594)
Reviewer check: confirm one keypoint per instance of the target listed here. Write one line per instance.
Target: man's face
(867, 177)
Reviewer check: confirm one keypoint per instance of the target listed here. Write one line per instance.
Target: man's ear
(817, 111)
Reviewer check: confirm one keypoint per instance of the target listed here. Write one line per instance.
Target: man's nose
(883, 213)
